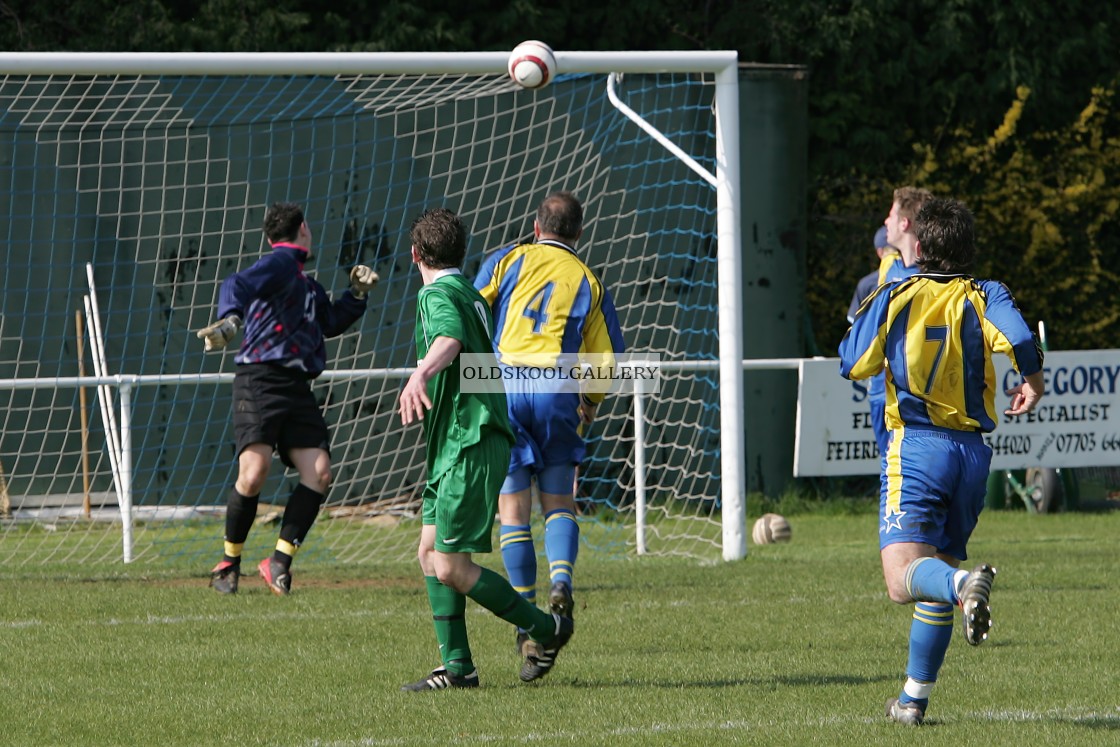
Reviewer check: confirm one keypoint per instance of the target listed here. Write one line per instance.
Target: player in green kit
(468, 439)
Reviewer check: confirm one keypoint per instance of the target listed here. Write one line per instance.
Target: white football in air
(532, 64)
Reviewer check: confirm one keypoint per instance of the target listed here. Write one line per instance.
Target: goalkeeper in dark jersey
(934, 334)
(468, 439)
(286, 317)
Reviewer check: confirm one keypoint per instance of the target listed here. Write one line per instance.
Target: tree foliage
(896, 87)
(1047, 204)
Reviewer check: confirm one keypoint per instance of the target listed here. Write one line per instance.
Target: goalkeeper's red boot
(278, 578)
(538, 665)
(224, 577)
(441, 679)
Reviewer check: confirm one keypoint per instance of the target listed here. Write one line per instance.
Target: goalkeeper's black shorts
(274, 405)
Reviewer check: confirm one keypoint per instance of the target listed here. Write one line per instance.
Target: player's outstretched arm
(217, 335)
(1026, 395)
(414, 402)
(362, 280)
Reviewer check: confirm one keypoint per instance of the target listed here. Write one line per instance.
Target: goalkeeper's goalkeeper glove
(362, 280)
(218, 334)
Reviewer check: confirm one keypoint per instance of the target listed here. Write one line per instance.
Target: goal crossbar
(349, 63)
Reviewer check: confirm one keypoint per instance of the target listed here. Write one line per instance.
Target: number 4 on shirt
(537, 308)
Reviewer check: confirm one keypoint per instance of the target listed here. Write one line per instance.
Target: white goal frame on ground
(722, 64)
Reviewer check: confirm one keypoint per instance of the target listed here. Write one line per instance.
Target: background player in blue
(897, 260)
(935, 334)
(287, 316)
(870, 281)
(548, 306)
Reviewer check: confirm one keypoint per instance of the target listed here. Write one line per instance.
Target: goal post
(156, 168)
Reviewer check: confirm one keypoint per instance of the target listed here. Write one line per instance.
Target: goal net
(135, 186)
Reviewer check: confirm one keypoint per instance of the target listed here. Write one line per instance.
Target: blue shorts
(546, 429)
(932, 488)
(558, 479)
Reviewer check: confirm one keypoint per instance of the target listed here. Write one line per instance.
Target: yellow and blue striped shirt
(892, 267)
(934, 335)
(547, 303)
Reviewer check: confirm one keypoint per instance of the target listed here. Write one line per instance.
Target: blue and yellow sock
(934, 580)
(520, 558)
(561, 544)
(931, 630)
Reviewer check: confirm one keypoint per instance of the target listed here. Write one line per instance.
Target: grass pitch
(795, 645)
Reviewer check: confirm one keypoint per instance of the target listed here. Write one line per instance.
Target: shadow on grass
(770, 683)
(1107, 723)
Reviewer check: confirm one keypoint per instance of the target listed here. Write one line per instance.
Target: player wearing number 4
(935, 334)
(287, 315)
(549, 307)
(468, 437)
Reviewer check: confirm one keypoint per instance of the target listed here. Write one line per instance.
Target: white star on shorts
(892, 520)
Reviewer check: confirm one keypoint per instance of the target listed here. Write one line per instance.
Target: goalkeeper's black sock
(299, 515)
(241, 512)
(282, 557)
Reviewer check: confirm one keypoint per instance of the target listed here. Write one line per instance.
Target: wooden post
(5, 499)
(82, 414)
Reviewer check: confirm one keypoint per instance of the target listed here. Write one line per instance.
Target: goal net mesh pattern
(160, 184)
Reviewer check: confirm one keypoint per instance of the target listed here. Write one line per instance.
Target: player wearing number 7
(287, 316)
(935, 334)
(549, 309)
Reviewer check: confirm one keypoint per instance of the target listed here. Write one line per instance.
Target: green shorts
(461, 503)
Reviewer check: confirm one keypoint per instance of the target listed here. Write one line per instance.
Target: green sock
(448, 608)
(495, 594)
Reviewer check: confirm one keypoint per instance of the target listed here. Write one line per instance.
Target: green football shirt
(451, 307)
